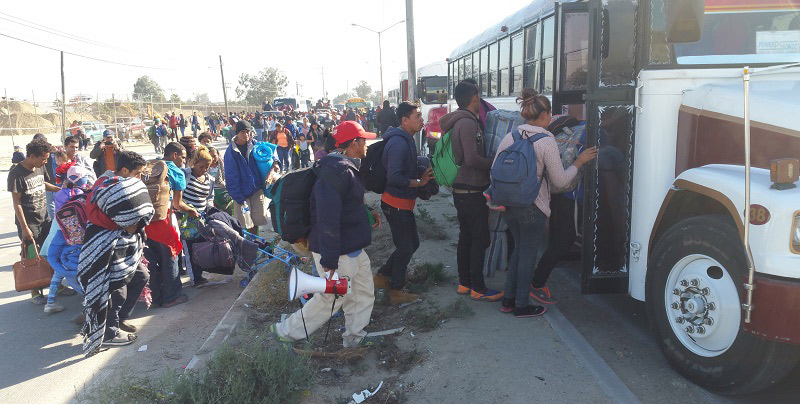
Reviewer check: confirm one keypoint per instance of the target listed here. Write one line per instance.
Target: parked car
(93, 130)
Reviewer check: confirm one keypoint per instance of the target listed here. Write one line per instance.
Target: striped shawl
(109, 258)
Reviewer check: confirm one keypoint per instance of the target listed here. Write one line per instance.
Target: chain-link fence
(30, 116)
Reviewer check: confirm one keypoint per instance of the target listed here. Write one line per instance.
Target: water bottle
(245, 209)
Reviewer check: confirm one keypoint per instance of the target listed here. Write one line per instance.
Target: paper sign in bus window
(771, 42)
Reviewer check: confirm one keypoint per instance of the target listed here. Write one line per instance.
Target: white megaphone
(301, 283)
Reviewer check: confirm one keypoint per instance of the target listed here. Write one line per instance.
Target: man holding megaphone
(340, 231)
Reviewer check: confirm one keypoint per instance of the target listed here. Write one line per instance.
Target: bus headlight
(796, 234)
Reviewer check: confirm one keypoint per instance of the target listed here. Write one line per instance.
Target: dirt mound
(30, 124)
(18, 107)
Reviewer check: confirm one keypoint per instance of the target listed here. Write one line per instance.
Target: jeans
(183, 129)
(283, 157)
(123, 301)
(473, 239)
(562, 235)
(194, 130)
(51, 205)
(406, 240)
(527, 228)
(260, 134)
(165, 282)
(304, 157)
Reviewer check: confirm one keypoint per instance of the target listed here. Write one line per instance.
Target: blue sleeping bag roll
(264, 153)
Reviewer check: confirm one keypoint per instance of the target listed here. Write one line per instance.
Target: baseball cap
(243, 125)
(108, 133)
(349, 130)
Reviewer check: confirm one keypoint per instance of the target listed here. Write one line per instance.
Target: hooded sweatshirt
(400, 160)
(548, 160)
(468, 150)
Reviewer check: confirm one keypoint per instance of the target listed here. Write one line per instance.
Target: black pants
(473, 238)
(123, 301)
(562, 235)
(406, 241)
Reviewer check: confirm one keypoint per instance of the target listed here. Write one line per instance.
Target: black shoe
(126, 325)
(200, 282)
(507, 306)
(529, 311)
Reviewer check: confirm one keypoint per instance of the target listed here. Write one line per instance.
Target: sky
(178, 43)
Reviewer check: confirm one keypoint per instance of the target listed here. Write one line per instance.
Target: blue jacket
(339, 223)
(242, 178)
(400, 161)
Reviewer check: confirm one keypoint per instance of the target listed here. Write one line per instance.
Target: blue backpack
(513, 176)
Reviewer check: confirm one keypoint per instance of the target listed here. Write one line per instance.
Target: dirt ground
(425, 359)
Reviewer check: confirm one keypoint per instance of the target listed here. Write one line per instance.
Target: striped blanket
(109, 257)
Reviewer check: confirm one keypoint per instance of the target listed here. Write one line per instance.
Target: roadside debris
(364, 394)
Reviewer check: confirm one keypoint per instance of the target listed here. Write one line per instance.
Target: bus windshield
(745, 31)
(433, 90)
(279, 102)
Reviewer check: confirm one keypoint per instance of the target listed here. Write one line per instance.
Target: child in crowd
(305, 154)
(63, 252)
(18, 155)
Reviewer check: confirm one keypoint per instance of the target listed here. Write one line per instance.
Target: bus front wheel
(694, 283)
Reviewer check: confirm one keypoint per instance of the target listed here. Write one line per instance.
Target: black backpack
(290, 207)
(372, 170)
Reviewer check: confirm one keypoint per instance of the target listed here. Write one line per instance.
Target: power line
(56, 32)
(84, 56)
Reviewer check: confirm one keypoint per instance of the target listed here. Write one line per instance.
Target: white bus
(660, 84)
(432, 93)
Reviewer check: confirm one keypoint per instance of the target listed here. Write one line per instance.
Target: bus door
(609, 105)
(573, 60)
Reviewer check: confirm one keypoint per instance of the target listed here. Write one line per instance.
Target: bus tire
(696, 272)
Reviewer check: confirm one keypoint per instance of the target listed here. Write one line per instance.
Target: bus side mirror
(684, 20)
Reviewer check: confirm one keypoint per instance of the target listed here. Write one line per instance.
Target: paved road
(41, 360)
(616, 327)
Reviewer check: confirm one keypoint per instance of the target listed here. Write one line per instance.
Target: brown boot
(380, 281)
(397, 297)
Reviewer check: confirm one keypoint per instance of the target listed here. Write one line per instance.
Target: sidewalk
(42, 360)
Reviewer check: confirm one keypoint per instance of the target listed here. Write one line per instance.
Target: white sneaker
(51, 308)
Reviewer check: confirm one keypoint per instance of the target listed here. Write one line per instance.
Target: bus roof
(514, 22)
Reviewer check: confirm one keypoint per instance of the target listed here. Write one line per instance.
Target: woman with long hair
(527, 223)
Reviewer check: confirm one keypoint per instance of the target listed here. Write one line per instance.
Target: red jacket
(173, 121)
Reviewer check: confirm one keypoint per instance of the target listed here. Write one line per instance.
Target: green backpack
(444, 164)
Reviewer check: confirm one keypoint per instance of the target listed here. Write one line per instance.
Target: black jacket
(388, 118)
(339, 223)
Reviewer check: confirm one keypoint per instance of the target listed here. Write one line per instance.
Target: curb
(224, 329)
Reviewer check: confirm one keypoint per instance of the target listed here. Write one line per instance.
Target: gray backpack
(569, 140)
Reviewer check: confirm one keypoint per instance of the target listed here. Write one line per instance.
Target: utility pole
(224, 91)
(412, 63)
(380, 63)
(8, 114)
(114, 106)
(324, 94)
(63, 101)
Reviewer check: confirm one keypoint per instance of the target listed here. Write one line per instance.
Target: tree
(145, 87)
(266, 84)
(363, 89)
(175, 98)
(375, 98)
(341, 98)
(201, 99)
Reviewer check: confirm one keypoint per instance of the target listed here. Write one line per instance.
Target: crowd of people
(131, 245)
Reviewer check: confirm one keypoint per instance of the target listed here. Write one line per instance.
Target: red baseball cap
(349, 130)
